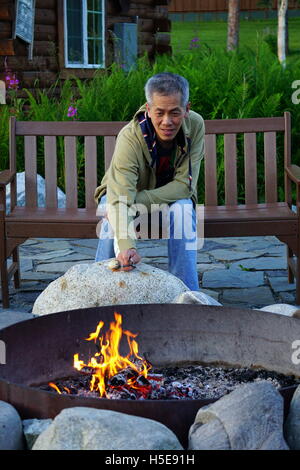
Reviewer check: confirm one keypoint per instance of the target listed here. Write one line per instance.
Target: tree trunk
(233, 24)
(281, 36)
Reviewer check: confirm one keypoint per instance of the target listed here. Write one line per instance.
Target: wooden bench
(253, 218)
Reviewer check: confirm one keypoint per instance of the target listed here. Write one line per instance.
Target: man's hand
(127, 258)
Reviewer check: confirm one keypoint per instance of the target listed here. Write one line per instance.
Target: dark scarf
(149, 135)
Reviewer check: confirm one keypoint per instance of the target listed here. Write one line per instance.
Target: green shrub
(248, 83)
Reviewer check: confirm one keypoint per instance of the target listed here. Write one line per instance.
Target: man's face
(167, 114)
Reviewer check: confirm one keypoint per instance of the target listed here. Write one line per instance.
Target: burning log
(110, 375)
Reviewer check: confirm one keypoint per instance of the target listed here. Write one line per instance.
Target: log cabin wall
(48, 64)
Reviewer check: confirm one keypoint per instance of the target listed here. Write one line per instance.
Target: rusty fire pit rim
(227, 310)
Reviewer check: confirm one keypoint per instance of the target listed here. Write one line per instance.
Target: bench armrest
(6, 177)
(293, 172)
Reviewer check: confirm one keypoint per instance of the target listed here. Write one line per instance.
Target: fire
(55, 387)
(108, 362)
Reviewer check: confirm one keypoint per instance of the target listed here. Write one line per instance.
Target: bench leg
(4, 285)
(290, 271)
(15, 256)
(3, 267)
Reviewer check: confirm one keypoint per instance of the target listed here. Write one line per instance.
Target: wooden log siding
(48, 51)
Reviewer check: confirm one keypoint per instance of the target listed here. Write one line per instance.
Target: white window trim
(84, 30)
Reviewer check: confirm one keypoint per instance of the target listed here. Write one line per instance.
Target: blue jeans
(182, 246)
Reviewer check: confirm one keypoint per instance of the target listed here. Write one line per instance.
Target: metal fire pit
(42, 349)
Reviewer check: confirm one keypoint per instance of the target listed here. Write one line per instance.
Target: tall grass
(248, 83)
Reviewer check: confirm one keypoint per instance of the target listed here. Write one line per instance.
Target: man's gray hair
(167, 83)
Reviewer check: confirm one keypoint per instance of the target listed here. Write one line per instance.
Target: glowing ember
(107, 363)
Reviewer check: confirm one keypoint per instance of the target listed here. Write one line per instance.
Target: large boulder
(32, 428)
(292, 424)
(11, 432)
(82, 428)
(283, 309)
(249, 418)
(195, 297)
(95, 284)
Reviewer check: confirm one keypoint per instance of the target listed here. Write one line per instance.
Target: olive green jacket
(131, 176)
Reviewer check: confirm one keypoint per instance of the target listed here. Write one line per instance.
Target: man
(156, 161)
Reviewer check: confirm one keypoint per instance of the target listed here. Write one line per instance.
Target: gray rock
(32, 428)
(283, 309)
(211, 293)
(258, 244)
(250, 417)
(11, 433)
(95, 284)
(203, 435)
(214, 244)
(280, 284)
(61, 198)
(195, 297)
(203, 257)
(232, 255)
(85, 250)
(253, 295)
(292, 424)
(154, 251)
(70, 258)
(10, 316)
(232, 278)
(265, 262)
(25, 264)
(287, 297)
(55, 244)
(59, 267)
(51, 255)
(276, 250)
(202, 267)
(38, 276)
(83, 428)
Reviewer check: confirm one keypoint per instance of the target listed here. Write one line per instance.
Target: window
(84, 33)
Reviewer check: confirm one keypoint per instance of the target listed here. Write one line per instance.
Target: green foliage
(247, 83)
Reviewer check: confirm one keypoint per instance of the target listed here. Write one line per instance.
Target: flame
(108, 362)
(55, 387)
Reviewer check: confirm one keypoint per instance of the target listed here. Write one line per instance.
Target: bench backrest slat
(13, 160)
(50, 171)
(71, 173)
(270, 167)
(210, 167)
(287, 157)
(250, 168)
(109, 147)
(230, 169)
(90, 151)
(30, 171)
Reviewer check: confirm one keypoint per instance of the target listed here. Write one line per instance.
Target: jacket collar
(146, 131)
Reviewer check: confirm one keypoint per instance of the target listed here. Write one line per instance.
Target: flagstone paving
(246, 272)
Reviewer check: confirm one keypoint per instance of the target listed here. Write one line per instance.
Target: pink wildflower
(72, 111)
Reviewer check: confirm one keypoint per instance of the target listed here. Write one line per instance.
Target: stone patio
(245, 272)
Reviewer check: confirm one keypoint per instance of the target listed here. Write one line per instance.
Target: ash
(172, 383)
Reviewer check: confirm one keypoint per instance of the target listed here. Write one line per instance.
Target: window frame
(84, 64)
